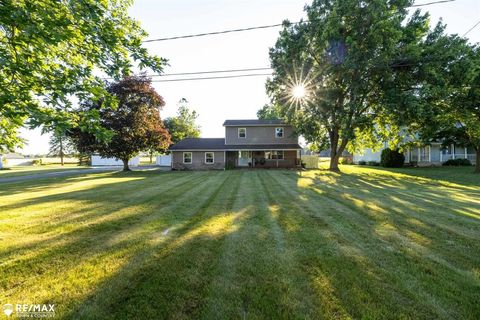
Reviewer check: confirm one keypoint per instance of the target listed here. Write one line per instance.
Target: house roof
(192, 144)
(253, 122)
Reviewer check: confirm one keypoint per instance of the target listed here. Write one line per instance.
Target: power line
(215, 33)
(431, 3)
(262, 27)
(203, 72)
(469, 30)
(219, 77)
(400, 64)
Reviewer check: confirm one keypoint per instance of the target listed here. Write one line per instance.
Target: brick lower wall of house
(289, 161)
(198, 161)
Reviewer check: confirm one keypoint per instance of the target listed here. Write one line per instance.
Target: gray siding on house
(198, 161)
(260, 135)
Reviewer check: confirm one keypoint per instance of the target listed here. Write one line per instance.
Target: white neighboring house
(432, 154)
(100, 161)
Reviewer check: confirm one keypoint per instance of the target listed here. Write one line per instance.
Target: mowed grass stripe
(252, 278)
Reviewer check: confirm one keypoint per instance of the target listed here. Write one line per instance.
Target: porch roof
(199, 144)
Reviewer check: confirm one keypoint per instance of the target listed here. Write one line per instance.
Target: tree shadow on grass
(421, 253)
(97, 210)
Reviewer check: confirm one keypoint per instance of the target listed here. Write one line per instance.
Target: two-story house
(247, 143)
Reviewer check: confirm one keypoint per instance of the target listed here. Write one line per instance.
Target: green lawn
(266, 244)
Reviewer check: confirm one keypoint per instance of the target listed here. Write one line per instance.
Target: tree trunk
(477, 161)
(151, 157)
(334, 157)
(334, 163)
(125, 165)
(336, 150)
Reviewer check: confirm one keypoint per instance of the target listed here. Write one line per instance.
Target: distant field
(245, 244)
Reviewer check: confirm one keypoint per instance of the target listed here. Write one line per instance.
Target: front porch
(262, 159)
(436, 154)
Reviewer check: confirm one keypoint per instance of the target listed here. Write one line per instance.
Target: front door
(244, 158)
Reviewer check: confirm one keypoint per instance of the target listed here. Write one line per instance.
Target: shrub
(457, 162)
(362, 163)
(37, 162)
(392, 158)
(373, 163)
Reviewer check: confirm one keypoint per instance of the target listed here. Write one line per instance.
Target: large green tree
(447, 96)
(50, 52)
(334, 73)
(134, 125)
(183, 125)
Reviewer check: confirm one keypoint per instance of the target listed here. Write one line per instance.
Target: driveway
(75, 172)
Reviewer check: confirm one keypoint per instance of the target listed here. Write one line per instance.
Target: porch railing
(470, 156)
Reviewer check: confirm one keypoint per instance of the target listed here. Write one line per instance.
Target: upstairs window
(279, 132)
(209, 157)
(242, 132)
(187, 157)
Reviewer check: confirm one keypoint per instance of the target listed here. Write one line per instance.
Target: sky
(237, 98)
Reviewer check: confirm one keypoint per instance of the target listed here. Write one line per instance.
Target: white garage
(100, 161)
(164, 160)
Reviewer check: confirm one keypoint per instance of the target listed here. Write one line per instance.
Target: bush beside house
(392, 158)
(457, 162)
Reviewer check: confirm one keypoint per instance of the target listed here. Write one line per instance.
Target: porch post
(466, 153)
(419, 156)
(453, 151)
(441, 154)
(429, 153)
